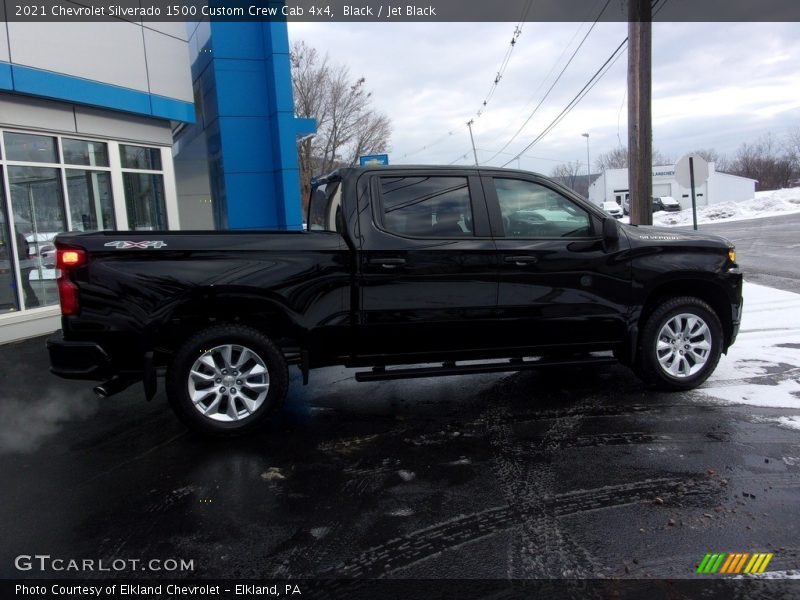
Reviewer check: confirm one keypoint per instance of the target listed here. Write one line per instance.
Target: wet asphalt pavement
(767, 249)
(577, 473)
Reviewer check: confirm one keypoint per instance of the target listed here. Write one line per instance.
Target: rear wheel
(680, 344)
(227, 380)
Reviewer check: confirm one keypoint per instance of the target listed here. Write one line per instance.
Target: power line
(500, 73)
(466, 154)
(523, 155)
(553, 85)
(593, 80)
(578, 97)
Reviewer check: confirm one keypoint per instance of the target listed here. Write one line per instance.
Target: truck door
(427, 272)
(557, 286)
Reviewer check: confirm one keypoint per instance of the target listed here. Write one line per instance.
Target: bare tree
(711, 155)
(662, 158)
(613, 159)
(617, 158)
(793, 151)
(347, 125)
(766, 161)
(568, 174)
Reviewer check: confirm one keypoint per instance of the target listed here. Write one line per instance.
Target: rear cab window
(325, 208)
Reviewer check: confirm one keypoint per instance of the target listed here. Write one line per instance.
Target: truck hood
(648, 235)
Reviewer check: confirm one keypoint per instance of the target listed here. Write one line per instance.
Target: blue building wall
(242, 79)
(57, 86)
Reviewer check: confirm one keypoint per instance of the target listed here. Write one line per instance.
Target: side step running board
(449, 368)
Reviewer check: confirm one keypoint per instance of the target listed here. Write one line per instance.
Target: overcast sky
(714, 85)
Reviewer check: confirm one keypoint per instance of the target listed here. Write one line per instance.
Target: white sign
(700, 170)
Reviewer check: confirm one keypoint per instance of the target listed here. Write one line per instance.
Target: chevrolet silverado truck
(403, 271)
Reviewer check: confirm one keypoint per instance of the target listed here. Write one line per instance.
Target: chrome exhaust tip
(111, 387)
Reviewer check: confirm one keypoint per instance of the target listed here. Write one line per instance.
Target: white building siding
(155, 58)
(731, 188)
(720, 187)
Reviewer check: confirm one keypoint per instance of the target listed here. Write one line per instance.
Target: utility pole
(588, 165)
(472, 139)
(640, 125)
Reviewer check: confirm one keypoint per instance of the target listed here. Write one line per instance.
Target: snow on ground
(768, 347)
(785, 422)
(765, 204)
(790, 574)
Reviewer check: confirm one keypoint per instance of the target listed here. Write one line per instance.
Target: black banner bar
(374, 11)
(402, 589)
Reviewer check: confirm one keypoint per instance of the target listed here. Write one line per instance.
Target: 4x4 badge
(124, 245)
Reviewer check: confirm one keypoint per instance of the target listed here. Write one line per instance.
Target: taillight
(68, 296)
(66, 260)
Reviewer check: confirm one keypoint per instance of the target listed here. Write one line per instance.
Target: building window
(50, 184)
(85, 152)
(144, 187)
(37, 201)
(91, 200)
(144, 198)
(140, 157)
(31, 148)
(8, 278)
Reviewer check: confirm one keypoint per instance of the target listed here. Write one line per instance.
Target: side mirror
(610, 234)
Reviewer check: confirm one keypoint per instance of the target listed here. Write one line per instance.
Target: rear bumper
(78, 360)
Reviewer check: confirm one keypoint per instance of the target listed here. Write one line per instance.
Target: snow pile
(765, 204)
(763, 367)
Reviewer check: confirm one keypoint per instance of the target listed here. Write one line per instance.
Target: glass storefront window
(144, 197)
(30, 148)
(8, 286)
(139, 157)
(91, 202)
(56, 182)
(84, 152)
(38, 204)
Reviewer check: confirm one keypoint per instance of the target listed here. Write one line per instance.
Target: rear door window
(426, 207)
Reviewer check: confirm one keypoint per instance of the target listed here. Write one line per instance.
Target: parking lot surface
(569, 473)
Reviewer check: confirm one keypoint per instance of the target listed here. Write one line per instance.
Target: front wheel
(680, 344)
(227, 380)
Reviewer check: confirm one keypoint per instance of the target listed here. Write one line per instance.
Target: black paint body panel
(329, 294)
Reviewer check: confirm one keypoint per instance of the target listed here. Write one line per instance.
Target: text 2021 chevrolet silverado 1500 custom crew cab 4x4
(400, 266)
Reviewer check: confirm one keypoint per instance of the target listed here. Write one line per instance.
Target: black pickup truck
(406, 271)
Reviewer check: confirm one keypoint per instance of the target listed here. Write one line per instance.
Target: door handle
(387, 263)
(521, 261)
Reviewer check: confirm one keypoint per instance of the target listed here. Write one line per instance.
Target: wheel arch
(708, 291)
(211, 306)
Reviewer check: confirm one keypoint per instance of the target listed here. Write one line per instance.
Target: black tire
(648, 366)
(211, 342)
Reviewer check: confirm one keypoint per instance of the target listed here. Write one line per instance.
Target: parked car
(614, 209)
(47, 255)
(475, 269)
(667, 203)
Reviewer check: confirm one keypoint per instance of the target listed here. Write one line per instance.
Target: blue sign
(373, 159)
